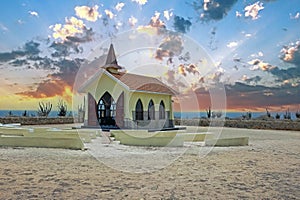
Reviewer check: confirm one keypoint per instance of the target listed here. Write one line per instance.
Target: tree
(62, 108)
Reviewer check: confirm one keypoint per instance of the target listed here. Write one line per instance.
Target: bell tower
(111, 64)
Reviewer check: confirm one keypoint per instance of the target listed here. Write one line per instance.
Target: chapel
(117, 99)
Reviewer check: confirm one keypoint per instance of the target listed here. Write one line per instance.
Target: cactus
(24, 114)
(62, 108)
(297, 115)
(287, 115)
(208, 112)
(268, 113)
(44, 109)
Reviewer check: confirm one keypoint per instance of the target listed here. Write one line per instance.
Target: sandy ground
(269, 168)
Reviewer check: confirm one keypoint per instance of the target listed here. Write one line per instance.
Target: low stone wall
(36, 120)
(249, 124)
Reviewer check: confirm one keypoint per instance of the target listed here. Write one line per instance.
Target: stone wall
(234, 123)
(36, 120)
(237, 123)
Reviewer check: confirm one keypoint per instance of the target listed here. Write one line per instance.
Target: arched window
(139, 114)
(113, 108)
(162, 113)
(101, 109)
(151, 110)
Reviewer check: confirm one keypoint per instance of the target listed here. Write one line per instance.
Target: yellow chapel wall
(107, 84)
(146, 97)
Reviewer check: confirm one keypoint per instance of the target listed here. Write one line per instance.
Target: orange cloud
(50, 88)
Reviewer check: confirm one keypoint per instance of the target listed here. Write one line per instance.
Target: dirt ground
(269, 168)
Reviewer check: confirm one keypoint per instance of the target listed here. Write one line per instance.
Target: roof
(132, 82)
(143, 83)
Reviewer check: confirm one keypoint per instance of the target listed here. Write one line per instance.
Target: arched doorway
(106, 110)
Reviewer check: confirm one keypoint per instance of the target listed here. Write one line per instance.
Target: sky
(242, 53)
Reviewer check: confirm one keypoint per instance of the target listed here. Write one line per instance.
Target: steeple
(111, 64)
(111, 56)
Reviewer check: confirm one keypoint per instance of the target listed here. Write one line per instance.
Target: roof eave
(151, 92)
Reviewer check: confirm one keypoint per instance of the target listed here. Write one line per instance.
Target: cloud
(286, 74)
(188, 68)
(72, 33)
(168, 14)
(248, 35)
(58, 83)
(238, 14)
(259, 54)
(295, 16)
(181, 25)
(3, 27)
(64, 49)
(291, 53)
(85, 36)
(71, 44)
(88, 13)
(132, 21)
(140, 2)
(72, 27)
(212, 10)
(253, 80)
(253, 10)
(156, 22)
(109, 14)
(46, 89)
(19, 62)
(33, 13)
(241, 96)
(232, 44)
(172, 45)
(30, 48)
(119, 6)
(20, 22)
(258, 64)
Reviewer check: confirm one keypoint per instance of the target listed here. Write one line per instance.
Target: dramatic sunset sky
(251, 48)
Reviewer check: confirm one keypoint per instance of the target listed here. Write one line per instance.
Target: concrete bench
(197, 137)
(224, 142)
(158, 141)
(43, 142)
(13, 131)
(85, 137)
(134, 133)
(144, 133)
